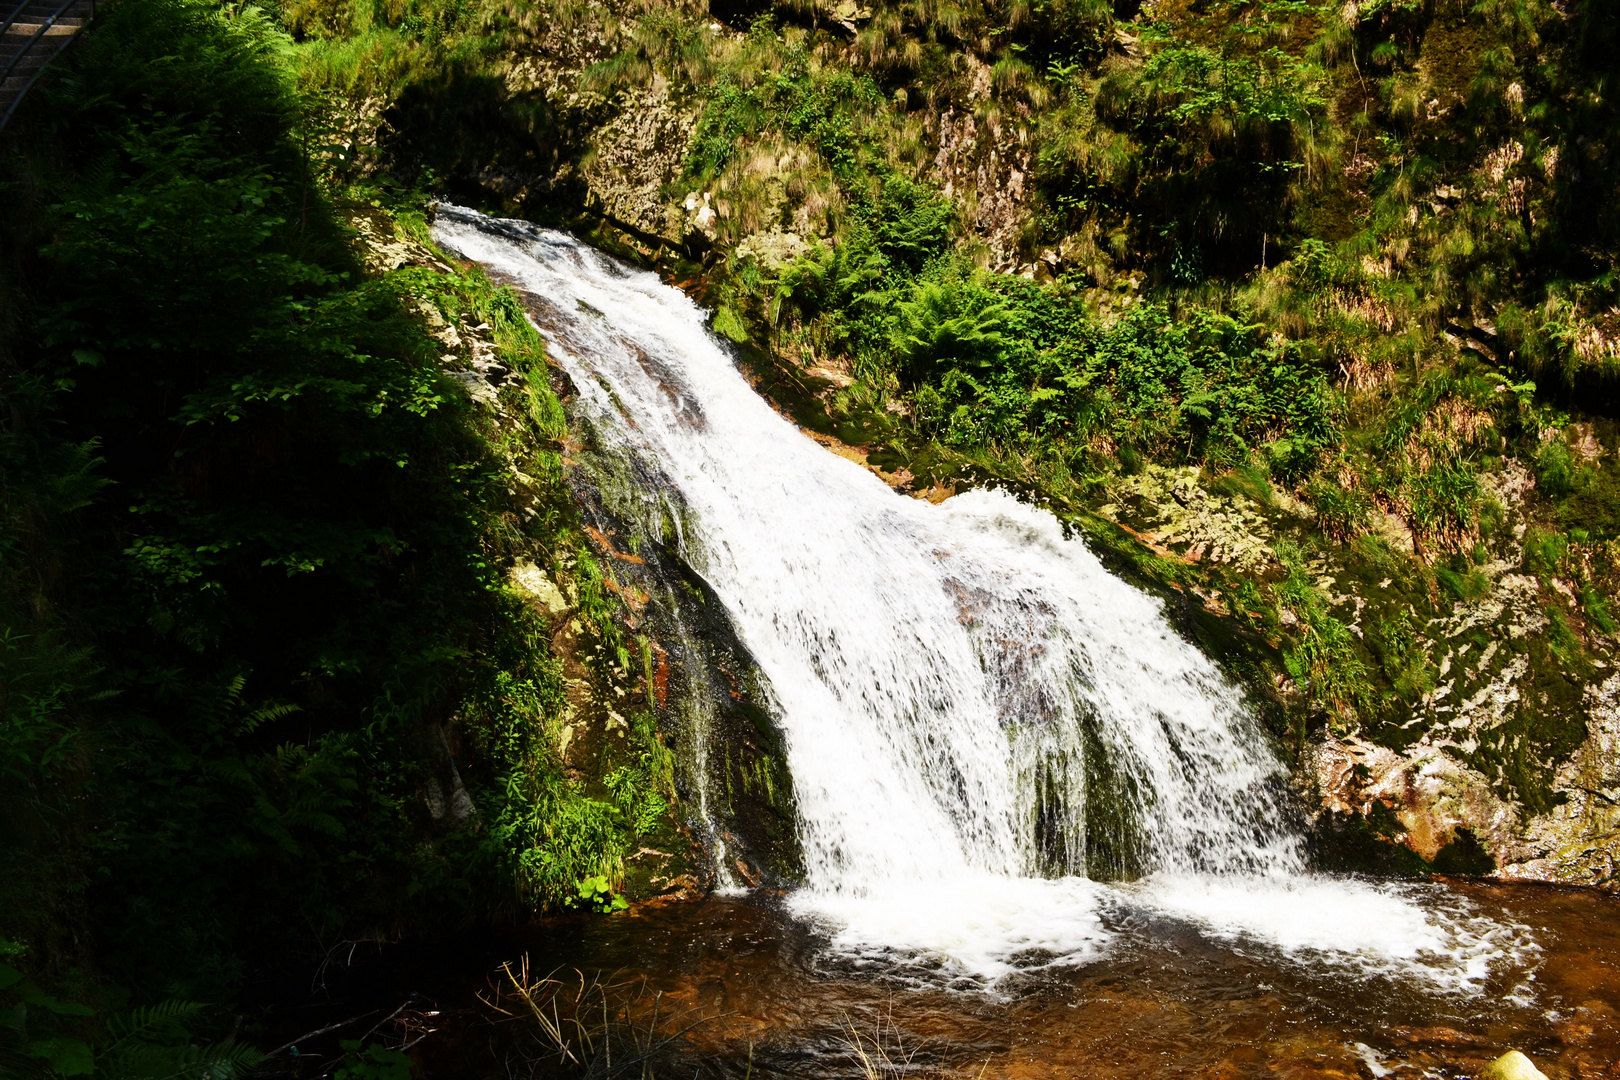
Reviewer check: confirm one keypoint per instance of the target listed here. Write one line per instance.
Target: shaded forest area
(266, 690)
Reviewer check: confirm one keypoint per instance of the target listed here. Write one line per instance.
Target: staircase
(31, 34)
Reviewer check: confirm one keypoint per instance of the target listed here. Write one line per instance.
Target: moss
(1522, 754)
(1451, 56)
(1594, 503)
(1461, 581)
(727, 323)
(1113, 841)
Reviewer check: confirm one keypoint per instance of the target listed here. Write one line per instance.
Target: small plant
(596, 893)
(1555, 469)
(1395, 642)
(372, 1062)
(1462, 580)
(591, 1026)
(1324, 658)
(1596, 606)
(1544, 552)
(1340, 513)
(1561, 639)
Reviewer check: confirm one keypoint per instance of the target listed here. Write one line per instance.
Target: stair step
(36, 33)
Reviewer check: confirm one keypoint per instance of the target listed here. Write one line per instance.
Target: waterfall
(982, 724)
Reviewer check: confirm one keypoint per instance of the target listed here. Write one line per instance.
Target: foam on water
(976, 714)
(977, 928)
(1392, 929)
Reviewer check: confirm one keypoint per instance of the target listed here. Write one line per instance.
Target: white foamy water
(1394, 929)
(974, 710)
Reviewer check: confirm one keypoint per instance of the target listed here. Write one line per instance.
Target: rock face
(1513, 743)
(1433, 795)
(1489, 737)
(985, 160)
(635, 156)
(1182, 514)
(1577, 841)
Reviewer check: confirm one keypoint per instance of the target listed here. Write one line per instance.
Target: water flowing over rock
(981, 723)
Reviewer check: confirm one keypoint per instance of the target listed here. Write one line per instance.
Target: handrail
(16, 14)
(29, 44)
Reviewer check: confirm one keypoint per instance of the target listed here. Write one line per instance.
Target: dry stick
(387, 1018)
(322, 1031)
(416, 1040)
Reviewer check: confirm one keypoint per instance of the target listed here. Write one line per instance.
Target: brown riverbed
(735, 987)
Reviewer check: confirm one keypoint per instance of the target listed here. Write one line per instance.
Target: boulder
(1511, 1066)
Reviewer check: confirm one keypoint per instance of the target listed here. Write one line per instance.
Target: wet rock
(1512, 1066)
(1430, 793)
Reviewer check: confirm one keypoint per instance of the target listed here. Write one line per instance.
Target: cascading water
(981, 722)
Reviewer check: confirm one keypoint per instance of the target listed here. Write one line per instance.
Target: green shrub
(1555, 469)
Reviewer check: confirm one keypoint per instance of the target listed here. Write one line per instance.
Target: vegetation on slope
(266, 685)
(1343, 272)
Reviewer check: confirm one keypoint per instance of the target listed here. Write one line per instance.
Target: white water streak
(940, 673)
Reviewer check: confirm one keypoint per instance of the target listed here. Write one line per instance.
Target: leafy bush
(289, 534)
(1555, 469)
(372, 1062)
(43, 1036)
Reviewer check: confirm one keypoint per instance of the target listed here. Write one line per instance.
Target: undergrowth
(256, 545)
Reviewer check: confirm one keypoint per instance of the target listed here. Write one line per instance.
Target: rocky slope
(1474, 728)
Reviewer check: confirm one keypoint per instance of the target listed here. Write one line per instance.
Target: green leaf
(33, 995)
(9, 976)
(70, 1057)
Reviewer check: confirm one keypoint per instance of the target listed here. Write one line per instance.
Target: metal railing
(16, 13)
(27, 47)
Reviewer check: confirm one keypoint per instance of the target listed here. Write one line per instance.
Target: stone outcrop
(635, 156)
(1511, 738)
(1577, 842)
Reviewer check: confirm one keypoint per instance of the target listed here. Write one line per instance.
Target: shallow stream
(741, 986)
